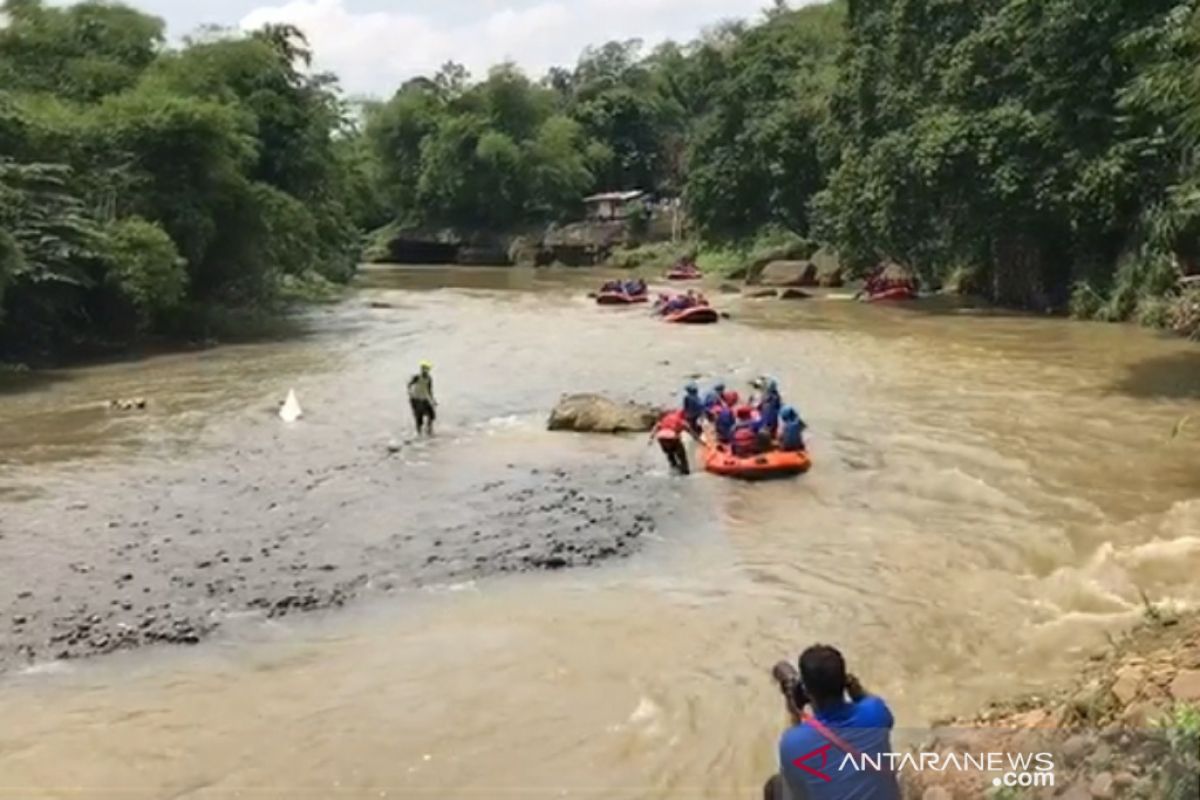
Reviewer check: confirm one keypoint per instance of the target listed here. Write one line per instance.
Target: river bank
(1127, 726)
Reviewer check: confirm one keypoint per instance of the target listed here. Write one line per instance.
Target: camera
(788, 679)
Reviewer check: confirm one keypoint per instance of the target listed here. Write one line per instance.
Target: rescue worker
(768, 407)
(745, 434)
(693, 407)
(668, 431)
(723, 423)
(420, 398)
(791, 431)
(714, 398)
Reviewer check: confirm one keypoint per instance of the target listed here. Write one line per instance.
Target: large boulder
(788, 273)
(593, 413)
(830, 272)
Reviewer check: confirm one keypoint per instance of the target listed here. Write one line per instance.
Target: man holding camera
(845, 721)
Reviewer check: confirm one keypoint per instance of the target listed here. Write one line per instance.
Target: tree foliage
(1039, 143)
(137, 180)
(1045, 148)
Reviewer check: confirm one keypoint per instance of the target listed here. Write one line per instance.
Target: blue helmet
(691, 388)
(788, 413)
(772, 385)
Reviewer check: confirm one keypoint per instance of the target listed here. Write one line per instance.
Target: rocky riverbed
(100, 573)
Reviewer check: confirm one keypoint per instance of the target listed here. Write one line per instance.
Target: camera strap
(837, 741)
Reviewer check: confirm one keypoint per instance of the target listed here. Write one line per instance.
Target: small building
(613, 205)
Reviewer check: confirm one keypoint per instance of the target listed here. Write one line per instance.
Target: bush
(1085, 302)
(1146, 273)
(145, 267)
(1180, 777)
(308, 287)
(662, 254)
(1184, 314)
(1154, 312)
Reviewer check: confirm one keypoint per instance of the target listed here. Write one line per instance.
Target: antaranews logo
(823, 753)
(1017, 770)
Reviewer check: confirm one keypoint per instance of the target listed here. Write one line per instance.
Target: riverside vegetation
(1041, 155)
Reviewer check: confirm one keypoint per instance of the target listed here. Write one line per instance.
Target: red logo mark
(823, 752)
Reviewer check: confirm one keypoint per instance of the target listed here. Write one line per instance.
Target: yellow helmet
(426, 365)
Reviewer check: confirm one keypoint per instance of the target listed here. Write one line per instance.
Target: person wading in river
(420, 397)
(669, 431)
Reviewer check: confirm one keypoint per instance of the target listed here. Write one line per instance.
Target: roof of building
(632, 194)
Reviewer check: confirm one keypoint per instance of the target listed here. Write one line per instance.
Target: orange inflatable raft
(720, 460)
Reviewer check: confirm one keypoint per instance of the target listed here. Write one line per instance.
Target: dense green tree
(1024, 141)
(82, 51)
(138, 182)
(491, 155)
(754, 157)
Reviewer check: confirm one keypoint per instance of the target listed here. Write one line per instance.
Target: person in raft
(714, 398)
(668, 431)
(723, 424)
(680, 302)
(746, 429)
(420, 397)
(769, 406)
(845, 721)
(693, 407)
(791, 430)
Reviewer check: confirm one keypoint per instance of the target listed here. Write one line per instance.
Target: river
(992, 494)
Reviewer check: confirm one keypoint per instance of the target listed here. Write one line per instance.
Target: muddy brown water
(991, 497)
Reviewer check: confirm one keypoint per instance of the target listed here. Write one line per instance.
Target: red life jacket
(671, 425)
(745, 442)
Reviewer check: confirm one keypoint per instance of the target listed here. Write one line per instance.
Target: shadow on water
(942, 305)
(1173, 377)
(12, 383)
(298, 325)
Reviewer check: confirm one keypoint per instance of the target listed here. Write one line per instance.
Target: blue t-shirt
(791, 435)
(692, 409)
(724, 424)
(865, 725)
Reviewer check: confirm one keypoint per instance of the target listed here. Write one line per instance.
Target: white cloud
(374, 52)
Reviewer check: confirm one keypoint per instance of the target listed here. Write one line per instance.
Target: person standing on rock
(420, 397)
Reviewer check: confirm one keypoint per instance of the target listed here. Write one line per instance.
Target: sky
(375, 45)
